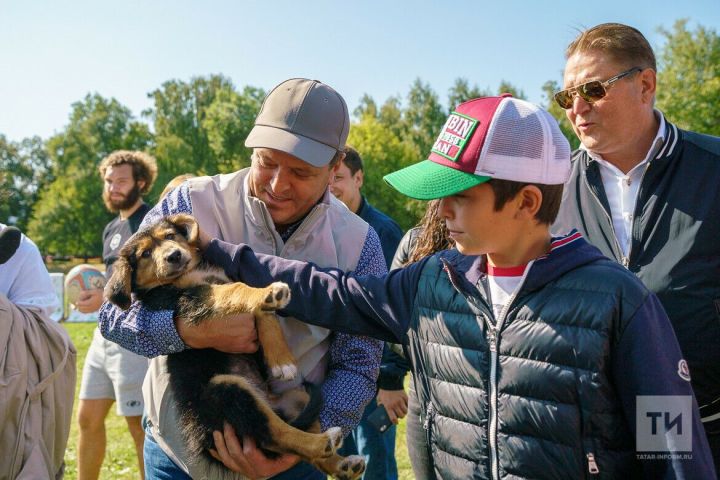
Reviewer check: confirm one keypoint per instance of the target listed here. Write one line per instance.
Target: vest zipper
(493, 334)
(592, 464)
(623, 259)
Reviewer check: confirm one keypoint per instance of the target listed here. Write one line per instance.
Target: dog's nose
(173, 257)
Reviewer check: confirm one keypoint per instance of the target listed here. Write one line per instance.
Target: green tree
(423, 115)
(383, 152)
(179, 115)
(461, 91)
(69, 215)
(24, 172)
(228, 121)
(507, 87)
(688, 87)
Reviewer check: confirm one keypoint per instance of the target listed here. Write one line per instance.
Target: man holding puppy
(280, 205)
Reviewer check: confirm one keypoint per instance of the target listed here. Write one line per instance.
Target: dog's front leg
(276, 352)
(233, 298)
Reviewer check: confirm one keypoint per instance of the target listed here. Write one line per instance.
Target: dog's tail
(311, 412)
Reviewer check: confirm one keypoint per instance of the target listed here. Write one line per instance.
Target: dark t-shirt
(116, 234)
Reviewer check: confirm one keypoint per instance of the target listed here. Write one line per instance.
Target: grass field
(120, 460)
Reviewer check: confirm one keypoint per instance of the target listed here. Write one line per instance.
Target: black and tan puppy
(163, 267)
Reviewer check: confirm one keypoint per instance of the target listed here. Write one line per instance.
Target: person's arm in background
(647, 360)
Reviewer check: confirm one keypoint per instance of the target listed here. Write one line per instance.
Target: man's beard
(123, 204)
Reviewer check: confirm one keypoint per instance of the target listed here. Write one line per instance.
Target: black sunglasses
(591, 92)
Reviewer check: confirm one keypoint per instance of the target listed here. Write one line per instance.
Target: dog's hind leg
(343, 468)
(283, 438)
(276, 352)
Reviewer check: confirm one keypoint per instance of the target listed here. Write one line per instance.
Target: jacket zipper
(494, 341)
(592, 464)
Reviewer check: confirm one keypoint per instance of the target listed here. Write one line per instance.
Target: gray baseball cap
(304, 118)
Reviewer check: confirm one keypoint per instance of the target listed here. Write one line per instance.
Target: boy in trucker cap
(533, 356)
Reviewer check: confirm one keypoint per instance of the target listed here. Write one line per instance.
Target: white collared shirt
(621, 188)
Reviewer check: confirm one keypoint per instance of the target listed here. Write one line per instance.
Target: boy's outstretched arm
(378, 307)
(647, 362)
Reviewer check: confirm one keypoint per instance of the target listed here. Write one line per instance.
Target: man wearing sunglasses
(646, 193)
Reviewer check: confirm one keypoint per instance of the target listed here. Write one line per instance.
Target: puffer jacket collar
(567, 252)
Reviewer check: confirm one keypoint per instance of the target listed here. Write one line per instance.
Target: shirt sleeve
(147, 332)
(352, 374)
(647, 362)
(24, 279)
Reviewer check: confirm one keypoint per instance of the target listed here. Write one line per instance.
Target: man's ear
(648, 79)
(118, 289)
(359, 179)
(187, 225)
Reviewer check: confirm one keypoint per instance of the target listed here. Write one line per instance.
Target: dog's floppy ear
(187, 225)
(117, 290)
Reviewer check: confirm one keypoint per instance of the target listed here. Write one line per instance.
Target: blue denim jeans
(377, 448)
(158, 466)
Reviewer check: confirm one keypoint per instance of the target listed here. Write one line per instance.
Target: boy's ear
(187, 225)
(117, 290)
(529, 200)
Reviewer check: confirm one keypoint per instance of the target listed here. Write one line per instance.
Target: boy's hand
(245, 458)
(232, 334)
(89, 300)
(395, 401)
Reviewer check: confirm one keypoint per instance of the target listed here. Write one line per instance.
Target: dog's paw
(284, 372)
(350, 468)
(278, 296)
(335, 438)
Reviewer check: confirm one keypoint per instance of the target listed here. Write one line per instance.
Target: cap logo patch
(454, 136)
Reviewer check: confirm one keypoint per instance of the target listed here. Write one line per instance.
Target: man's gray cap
(304, 118)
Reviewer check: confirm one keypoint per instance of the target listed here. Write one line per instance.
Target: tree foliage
(24, 172)
(69, 215)
(688, 90)
(199, 126)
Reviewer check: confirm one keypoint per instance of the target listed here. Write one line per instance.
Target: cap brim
(428, 180)
(315, 153)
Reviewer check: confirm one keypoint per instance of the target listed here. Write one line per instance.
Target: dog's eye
(146, 254)
(170, 236)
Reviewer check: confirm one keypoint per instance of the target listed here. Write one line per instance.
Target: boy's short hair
(489, 138)
(624, 44)
(506, 190)
(144, 166)
(353, 160)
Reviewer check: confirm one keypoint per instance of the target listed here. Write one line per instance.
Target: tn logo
(668, 424)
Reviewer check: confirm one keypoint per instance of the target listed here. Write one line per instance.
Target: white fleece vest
(330, 236)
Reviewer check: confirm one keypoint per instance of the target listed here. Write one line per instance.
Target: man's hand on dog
(232, 334)
(245, 458)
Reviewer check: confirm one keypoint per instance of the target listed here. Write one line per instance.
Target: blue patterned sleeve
(146, 332)
(351, 381)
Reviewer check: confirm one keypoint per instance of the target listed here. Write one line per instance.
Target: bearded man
(112, 373)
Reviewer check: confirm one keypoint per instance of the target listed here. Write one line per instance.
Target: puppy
(162, 266)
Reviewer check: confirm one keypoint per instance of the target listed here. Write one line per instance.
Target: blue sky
(52, 53)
